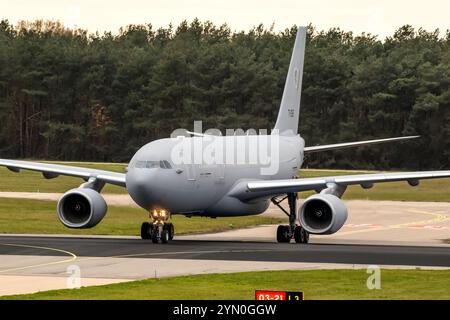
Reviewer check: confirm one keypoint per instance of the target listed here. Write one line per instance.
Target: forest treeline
(70, 95)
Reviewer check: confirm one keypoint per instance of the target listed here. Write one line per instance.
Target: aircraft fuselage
(155, 179)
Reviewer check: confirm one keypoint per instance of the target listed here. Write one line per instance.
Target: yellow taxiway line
(73, 257)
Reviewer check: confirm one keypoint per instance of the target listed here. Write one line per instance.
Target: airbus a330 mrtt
(164, 188)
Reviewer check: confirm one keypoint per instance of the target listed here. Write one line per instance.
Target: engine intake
(323, 214)
(81, 208)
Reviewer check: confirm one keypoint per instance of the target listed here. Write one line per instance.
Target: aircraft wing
(53, 170)
(354, 144)
(274, 187)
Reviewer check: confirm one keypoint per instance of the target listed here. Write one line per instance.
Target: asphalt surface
(228, 250)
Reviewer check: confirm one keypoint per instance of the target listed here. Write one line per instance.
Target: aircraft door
(221, 172)
(191, 172)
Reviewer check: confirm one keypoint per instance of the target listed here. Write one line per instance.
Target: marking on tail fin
(296, 78)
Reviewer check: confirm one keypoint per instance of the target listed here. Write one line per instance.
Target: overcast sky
(380, 17)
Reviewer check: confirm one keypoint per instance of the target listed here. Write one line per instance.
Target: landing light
(159, 215)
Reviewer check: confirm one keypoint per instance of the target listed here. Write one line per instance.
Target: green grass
(34, 216)
(316, 284)
(428, 190)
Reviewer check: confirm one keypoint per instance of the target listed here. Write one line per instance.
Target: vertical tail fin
(288, 115)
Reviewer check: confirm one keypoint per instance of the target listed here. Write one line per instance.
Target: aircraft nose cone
(138, 186)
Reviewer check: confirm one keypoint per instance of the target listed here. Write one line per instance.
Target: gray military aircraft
(161, 184)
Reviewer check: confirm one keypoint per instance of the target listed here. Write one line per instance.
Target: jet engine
(322, 214)
(81, 208)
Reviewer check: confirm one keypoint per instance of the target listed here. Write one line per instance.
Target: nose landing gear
(159, 230)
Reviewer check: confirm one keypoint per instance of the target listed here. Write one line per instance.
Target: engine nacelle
(322, 214)
(81, 208)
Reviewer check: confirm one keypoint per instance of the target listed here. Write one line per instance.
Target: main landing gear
(159, 230)
(286, 232)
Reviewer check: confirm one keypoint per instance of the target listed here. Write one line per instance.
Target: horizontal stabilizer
(354, 144)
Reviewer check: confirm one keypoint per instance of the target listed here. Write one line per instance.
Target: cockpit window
(147, 164)
(139, 164)
(167, 163)
(164, 164)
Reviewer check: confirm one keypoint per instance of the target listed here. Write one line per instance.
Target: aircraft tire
(165, 235)
(283, 235)
(301, 235)
(146, 230)
(171, 230)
